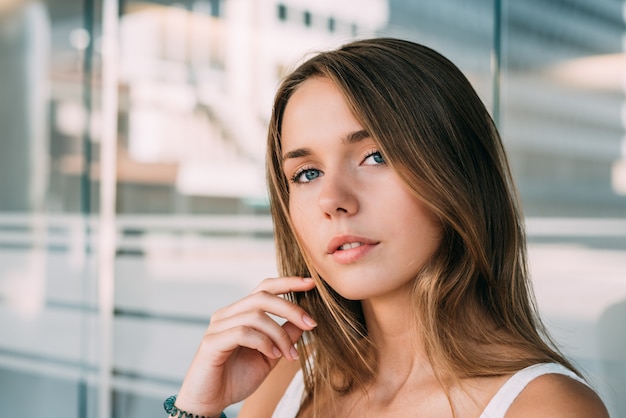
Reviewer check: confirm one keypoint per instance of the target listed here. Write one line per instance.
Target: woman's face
(366, 234)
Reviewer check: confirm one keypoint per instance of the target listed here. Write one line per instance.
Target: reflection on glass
(193, 233)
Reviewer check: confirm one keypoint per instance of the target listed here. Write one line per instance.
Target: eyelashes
(376, 157)
(305, 175)
(309, 173)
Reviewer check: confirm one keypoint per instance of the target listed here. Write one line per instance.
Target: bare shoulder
(264, 400)
(556, 395)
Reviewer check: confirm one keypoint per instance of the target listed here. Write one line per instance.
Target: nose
(337, 196)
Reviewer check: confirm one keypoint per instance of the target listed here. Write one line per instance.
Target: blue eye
(306, 175)
(374, 158)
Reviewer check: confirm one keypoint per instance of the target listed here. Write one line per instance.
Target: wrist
(175, 410)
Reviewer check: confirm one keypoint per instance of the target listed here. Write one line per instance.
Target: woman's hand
(242, 345)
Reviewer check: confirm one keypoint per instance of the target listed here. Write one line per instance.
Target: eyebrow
(351, 138)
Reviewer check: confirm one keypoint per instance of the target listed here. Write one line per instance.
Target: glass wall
(48, 338)
(562, 117)
(132, 195)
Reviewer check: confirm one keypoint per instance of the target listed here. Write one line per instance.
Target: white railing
(172, 272)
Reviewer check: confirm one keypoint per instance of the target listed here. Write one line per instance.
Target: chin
(352, 296)
(353, 293)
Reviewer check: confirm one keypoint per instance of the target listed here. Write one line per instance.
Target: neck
(394, 331)
(404, 370)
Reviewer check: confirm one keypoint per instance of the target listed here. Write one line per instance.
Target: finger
(265, 302)
(292, 331)
(282, 285)
(262, 323)
(242, 336)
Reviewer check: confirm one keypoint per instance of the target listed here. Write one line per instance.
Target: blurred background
(132, 194)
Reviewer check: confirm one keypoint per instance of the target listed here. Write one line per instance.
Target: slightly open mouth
(349, 245)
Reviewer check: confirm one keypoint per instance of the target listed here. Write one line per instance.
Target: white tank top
(289, 404)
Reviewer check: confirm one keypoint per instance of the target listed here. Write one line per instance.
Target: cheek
(302, 209)
(303, 224)
(296, 215)
(420, 219)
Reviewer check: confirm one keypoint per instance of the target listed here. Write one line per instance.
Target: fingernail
(307, 279)
(277, 352)
(293, 352)
(308, 320)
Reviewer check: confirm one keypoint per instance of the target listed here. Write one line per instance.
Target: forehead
(317, 108)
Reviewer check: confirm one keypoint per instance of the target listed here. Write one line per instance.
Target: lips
(349, 246)
(347, 242)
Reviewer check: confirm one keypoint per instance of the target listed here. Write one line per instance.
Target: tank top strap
(502, 400)
(289, 404)
(498, 406)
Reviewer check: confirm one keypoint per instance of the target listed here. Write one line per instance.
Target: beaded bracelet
(172, 410)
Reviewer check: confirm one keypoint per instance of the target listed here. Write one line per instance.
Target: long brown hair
(473, 302)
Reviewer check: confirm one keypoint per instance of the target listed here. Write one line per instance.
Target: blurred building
(195, 84)
(197, 80)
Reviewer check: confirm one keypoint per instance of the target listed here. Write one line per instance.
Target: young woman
(402, 253)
